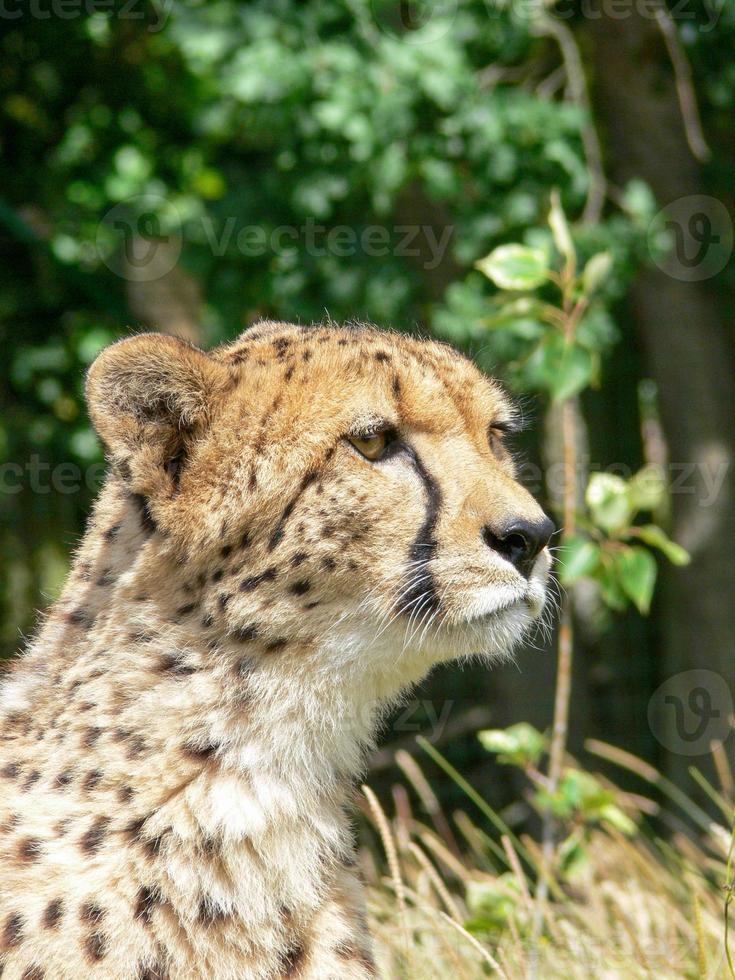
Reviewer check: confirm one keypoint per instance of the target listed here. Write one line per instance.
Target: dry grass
(635, 906)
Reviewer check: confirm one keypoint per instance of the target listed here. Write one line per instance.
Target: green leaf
(578, 558)
(595, 272)
(653, 535)
(560, 229)
(514, 267)
(563, 369)
(613, 815)
(519, 744)
(636, 570)
(608, 501)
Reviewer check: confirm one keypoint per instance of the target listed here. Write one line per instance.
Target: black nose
(519, 540)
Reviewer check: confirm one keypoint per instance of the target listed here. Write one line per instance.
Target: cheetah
(295, 527)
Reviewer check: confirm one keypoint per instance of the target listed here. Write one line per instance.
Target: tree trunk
(689, 355)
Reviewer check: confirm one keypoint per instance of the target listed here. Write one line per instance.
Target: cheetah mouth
(528, 607)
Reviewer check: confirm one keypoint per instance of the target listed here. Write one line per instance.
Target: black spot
(145, 902)
(298, 559)
(31, 779)
(91, 841)
(79, 617)
(207, 621)
(210, 912)
(12, 930)
(134, 828)
(63, 779)
(245, 539)
(246, 666)
(152, 845)
(91, 736)
(396, 386)
(223, 599)
(217, 576)
(185, 610)
(200, 751)
(329, 564)
(106, 578)
(96, 946)
(246, 634)
(248, 584)
(11, 771)
(276, 646)
(301, 587)
(288, 373)
(136, 746)
(311, 605)
(155, 972)
(381, 356)
(293, 959)
(33, 972)
(112, 532)
(91, 912)
(125, 794)
(174, 663)
(225, 550)
(30, 849)
(52, 913)
(92, 779)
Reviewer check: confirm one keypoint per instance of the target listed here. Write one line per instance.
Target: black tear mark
(422, 593)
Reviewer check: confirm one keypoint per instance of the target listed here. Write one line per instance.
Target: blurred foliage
(289, 146)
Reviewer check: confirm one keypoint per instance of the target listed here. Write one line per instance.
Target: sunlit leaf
(608, 501)
(636, 569)
(514, 267)
(577, 558)
(595, 272)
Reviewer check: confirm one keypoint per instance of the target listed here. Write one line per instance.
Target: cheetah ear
(148, 397)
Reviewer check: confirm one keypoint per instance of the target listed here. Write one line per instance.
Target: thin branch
(684, 86)
(546, 26)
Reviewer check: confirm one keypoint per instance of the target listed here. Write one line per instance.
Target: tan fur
(180, 742)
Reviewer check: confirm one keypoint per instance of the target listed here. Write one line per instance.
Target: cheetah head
(341, 493)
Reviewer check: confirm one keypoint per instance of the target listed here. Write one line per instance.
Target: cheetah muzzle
(295, 527)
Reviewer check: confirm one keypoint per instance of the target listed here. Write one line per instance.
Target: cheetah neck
(188, 736)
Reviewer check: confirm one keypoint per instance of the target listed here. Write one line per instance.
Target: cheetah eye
(373, 446)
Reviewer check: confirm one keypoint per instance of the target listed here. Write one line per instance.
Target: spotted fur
(180, 742)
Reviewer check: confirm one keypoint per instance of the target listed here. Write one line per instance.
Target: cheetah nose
(519, 540)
